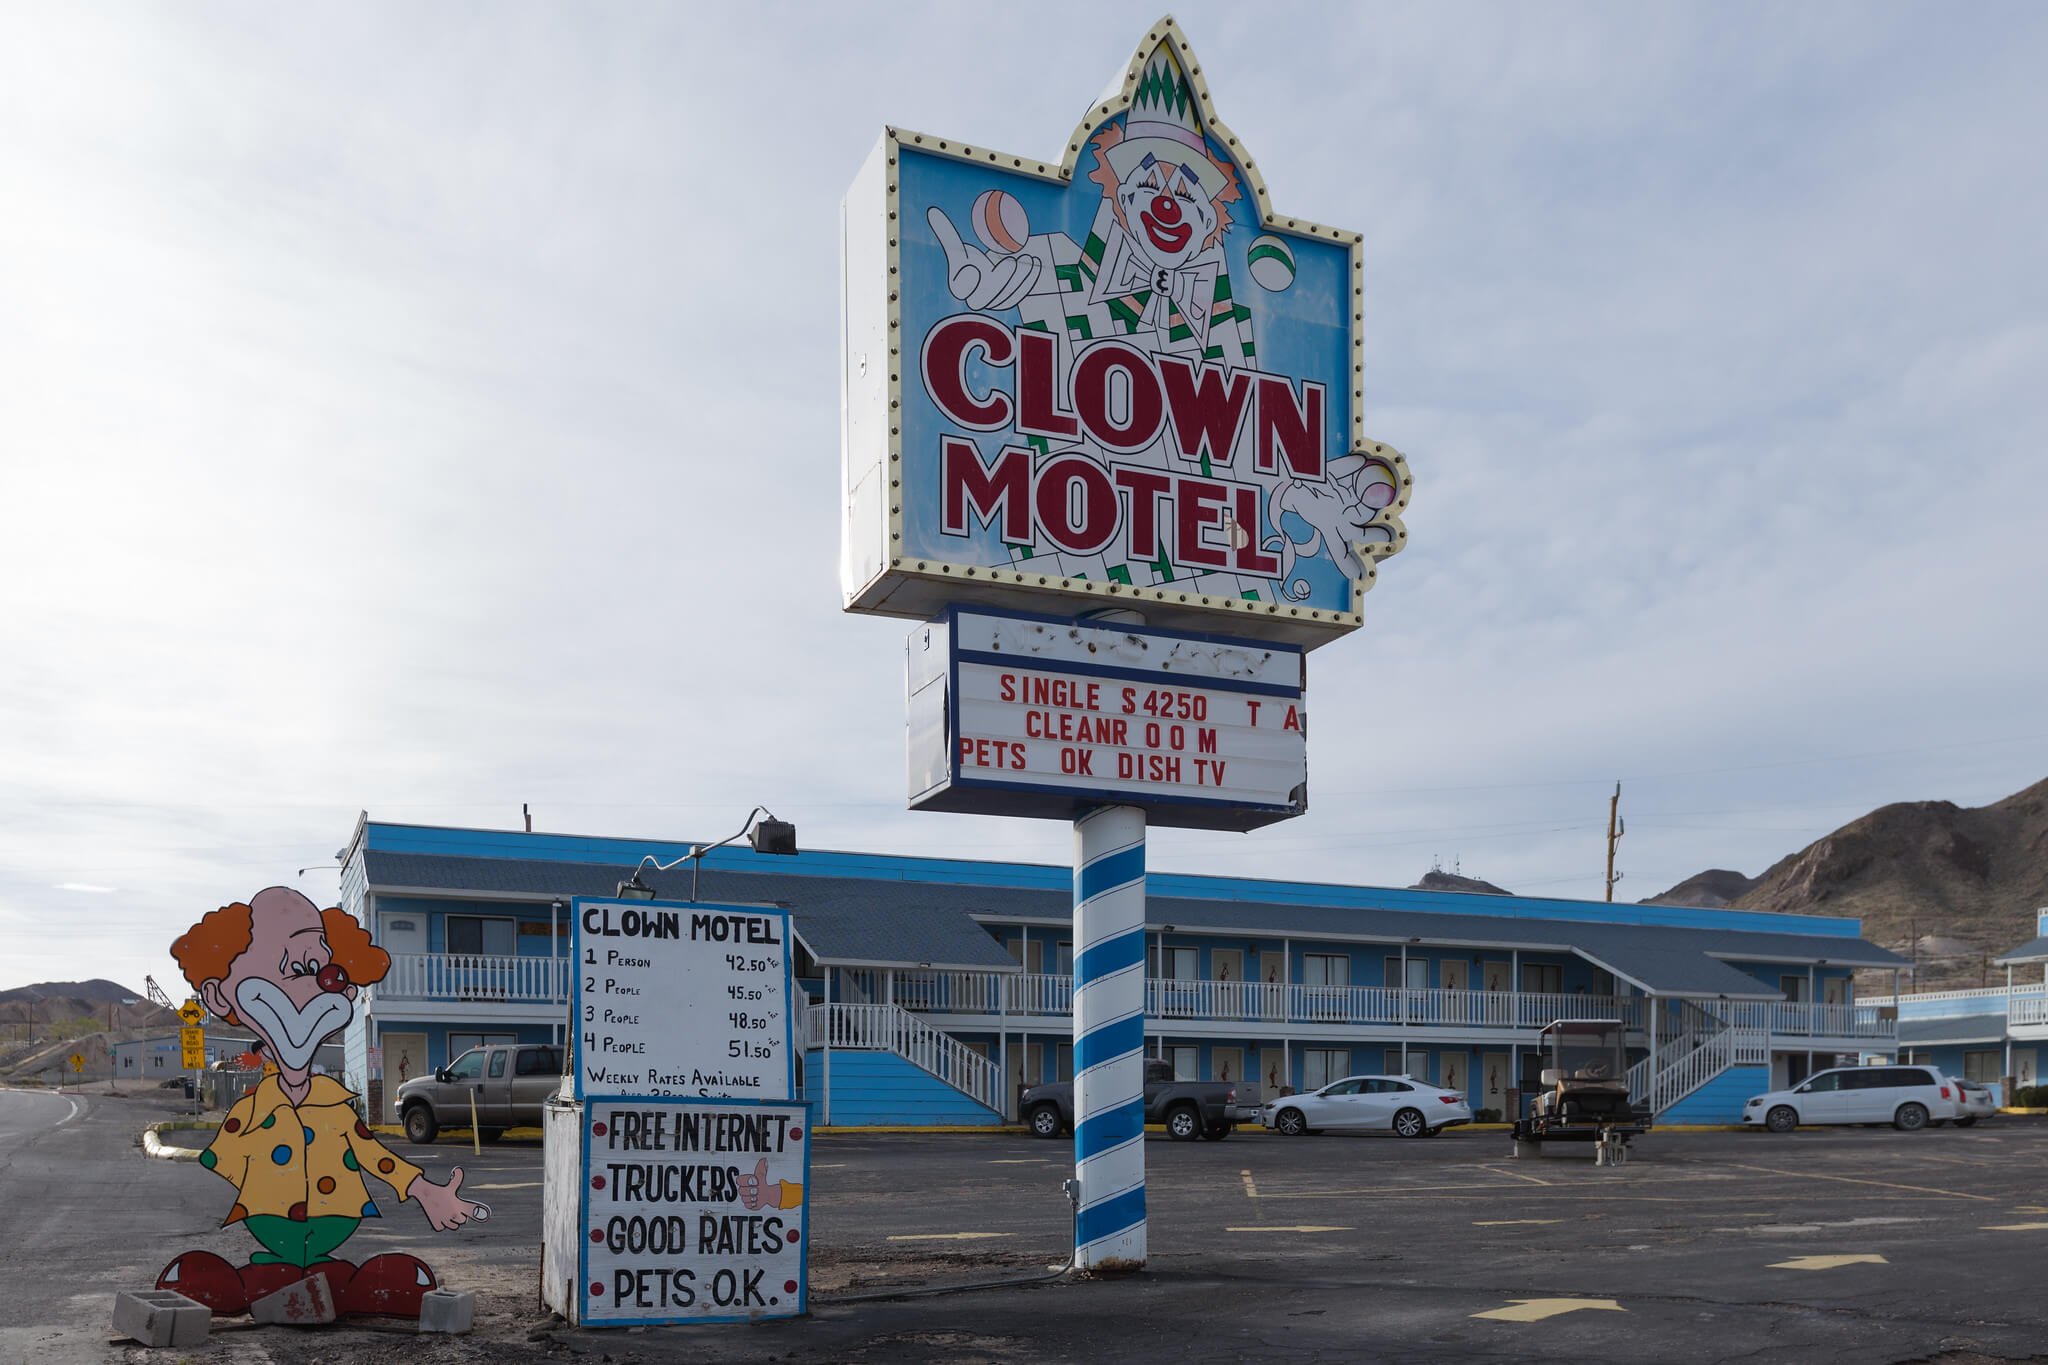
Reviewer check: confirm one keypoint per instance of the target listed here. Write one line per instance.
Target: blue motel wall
(937, 988)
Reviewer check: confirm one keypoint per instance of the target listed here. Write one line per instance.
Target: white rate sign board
(1019, 714)
(678, 998)
(693, 1211)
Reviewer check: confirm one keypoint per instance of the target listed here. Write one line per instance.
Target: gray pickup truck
(1189, 1109)
(509, 1081)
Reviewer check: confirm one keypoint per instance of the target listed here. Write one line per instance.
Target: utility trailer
(1585, 1091)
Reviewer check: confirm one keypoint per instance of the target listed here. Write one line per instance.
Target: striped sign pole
(1109, 1037)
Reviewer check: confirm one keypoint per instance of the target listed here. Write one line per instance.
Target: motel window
(1794, 988)
(1984, 1066)
(478, 934)
(1418, 973)
(1063, 1062)
(1542, 978)
(1187, 1062)
(1178, 964)
(459, 1043)
(1063, 958)
(157, 1062)
(1321, 1065)
(1325, 969)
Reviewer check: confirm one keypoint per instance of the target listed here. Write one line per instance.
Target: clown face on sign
(293, 1148)
(1127, 402)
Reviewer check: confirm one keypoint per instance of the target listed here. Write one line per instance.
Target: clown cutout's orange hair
(207, 950)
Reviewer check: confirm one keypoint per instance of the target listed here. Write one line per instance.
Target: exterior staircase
(894, 1032)
(1696, 1044)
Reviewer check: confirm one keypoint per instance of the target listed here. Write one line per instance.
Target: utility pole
(1616, 827)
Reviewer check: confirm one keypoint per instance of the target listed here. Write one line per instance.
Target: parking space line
(520, 1185)
(1021, 1161)
(946, 1236)
(1519, 1175)
(1516, 1222)
(1828, 1262)
(1303, 1227)
(1251, 1191)
(2017, 1227)
(1882, 1184)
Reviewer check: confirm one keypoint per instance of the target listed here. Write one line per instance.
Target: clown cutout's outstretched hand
(979, 280)
(446, 1209)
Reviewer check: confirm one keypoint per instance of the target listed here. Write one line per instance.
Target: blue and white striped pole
(1109, 1037)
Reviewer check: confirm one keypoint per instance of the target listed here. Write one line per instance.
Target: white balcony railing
(476, 977)
(1037, 994)
(2029, 1011)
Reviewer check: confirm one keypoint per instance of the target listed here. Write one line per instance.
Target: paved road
(1323, 1248)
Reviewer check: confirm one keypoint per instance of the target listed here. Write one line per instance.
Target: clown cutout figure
(293, 1147)
(1152, 273)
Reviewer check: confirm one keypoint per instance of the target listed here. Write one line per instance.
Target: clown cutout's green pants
(302, 1243)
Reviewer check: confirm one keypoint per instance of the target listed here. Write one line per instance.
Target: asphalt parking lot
(1844, 1244)
(1853, 1245)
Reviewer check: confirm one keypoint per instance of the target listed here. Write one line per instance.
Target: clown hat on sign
(1163, 125)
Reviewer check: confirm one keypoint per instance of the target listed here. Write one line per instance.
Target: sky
(434, 410)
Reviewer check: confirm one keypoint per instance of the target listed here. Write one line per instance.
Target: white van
(1906, 1097)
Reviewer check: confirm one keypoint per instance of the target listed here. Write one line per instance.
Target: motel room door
(405, 1057)
(1492, 1083)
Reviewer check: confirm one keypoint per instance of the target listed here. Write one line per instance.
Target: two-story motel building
(937, 988)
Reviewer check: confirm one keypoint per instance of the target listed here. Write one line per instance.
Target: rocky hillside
(1950, 885)
(73, 1005)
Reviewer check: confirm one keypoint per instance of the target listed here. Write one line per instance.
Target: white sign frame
(1119, 655)
(684, 992)
(603, 1111)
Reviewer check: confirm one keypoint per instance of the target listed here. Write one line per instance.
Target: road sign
(191, 1012)
(192, 1042)
(78, 1061)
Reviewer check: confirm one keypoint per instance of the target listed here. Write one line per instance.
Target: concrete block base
(161, 1317)
(304, 1303)
(447, 1310)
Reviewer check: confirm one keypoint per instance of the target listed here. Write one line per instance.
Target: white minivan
(1906, 1097)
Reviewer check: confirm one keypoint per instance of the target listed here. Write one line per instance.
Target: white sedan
(1395, 1104)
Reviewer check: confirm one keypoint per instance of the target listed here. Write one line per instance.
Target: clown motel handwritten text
(682, 1000)
(693, 1210)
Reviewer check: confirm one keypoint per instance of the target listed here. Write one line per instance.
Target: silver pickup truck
(510, 1083)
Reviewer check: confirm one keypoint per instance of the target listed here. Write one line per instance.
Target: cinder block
(447, 1310)
(303, 1303)
(161, 1317)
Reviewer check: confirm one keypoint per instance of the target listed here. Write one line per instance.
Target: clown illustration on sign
(293, 1148)
(1154, 387)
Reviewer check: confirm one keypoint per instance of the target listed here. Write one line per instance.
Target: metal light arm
(695, 857)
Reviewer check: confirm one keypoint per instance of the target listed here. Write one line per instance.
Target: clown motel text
(682, 1000)
(1037, 707)
(1123, 400)
(693, 1211)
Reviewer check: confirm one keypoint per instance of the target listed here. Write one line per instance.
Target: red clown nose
(332, 977)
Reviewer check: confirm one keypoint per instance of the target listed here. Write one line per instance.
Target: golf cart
(1585, 1090)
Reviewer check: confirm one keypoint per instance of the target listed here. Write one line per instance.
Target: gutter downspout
(826, 972)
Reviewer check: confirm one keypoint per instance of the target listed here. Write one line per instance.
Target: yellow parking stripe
(1304, 1227)
(1536, 1310)
(947, 1236)
(1827, 1262)
(1516, 1222)
(2009, 1227)
(1883, 1184)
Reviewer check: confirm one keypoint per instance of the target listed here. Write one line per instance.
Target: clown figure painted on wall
(294, 1148)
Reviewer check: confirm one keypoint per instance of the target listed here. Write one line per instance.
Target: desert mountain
(1436, 879)
(1948, 885)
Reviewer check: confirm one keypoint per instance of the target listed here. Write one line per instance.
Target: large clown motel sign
(1103, 437)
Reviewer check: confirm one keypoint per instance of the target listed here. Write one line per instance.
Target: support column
(1109, 1037)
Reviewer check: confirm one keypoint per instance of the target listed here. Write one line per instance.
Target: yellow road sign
(191, 1012)
(78, 1061)
(192, 1042)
